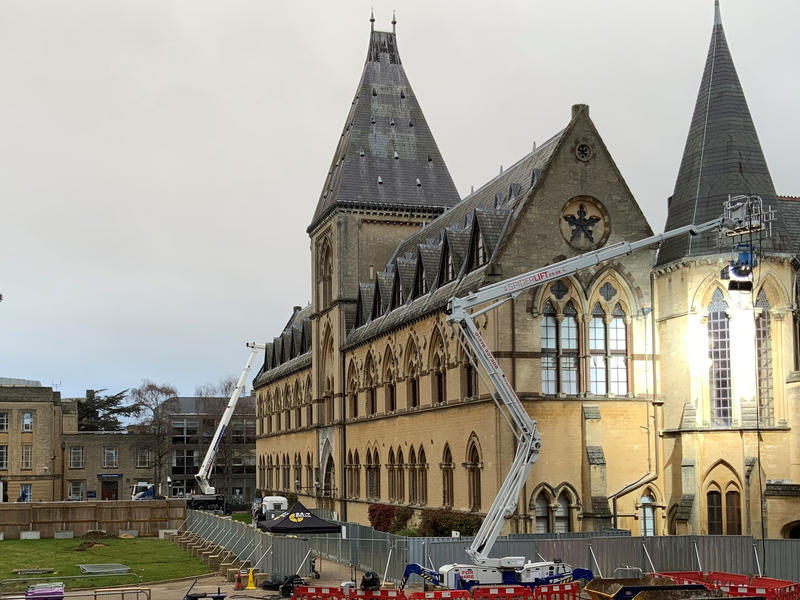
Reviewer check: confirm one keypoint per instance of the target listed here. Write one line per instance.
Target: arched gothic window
(298, 395)
(373, 475)
(541, 509)
(714, 508)
(766, 408)
(412, 477)
(370, 383)
(309, 473)
(470, 381)
(561, 514)
(647, 518)
(390, 470)
(560, 350)
(447, 477)
(352, 395)
(720, 354)
(413, 383)
(552, 516)
(733, 513)
(400, 478)
(356, 483)
(270, 481)
(439, 389)
(422, 478)
(309, 405)
(473, 466)
(298, 472)
(325, 276)
(608, 352)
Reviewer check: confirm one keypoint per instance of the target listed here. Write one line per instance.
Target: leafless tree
(153, 406)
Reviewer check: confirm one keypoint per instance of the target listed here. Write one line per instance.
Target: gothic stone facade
(367, 396)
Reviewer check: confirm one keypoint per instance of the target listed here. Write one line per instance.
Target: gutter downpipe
(650, 475)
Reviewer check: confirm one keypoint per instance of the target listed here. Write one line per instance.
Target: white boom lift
(741, 215)
(208, 497)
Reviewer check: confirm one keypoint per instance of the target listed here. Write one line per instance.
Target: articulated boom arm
(202, 476)
(528, 440)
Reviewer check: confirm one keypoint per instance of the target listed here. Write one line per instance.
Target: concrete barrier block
(63, 535)
(2, 536)
(29, 535)
(128, 533)
(167, 534)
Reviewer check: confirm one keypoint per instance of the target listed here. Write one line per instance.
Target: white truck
(742, 215)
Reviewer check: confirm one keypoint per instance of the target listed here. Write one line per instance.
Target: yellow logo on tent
(298, 517)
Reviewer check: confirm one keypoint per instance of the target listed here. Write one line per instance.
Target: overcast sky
(161, 160)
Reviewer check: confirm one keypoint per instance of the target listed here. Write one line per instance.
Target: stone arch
(791, 531)
(552, 290)
(776, 291)
(624, 292)
(722, 473)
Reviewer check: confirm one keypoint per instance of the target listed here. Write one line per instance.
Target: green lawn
(151, 558)
(242, 517)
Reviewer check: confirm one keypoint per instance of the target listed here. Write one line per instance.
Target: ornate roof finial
(394, 22)
(371, 19)
(717, 18)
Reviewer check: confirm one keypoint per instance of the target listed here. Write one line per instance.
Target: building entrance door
(110, 490)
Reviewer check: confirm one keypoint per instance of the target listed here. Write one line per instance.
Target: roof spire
(394, 22)
(371, 19)
(717, 18)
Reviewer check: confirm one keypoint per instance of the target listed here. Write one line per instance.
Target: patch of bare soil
(88, 545)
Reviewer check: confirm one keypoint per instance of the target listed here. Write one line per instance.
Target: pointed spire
(372, 19)
(394, 22)
(400, 178)
(722, 156)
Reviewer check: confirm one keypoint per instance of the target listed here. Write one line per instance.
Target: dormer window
(450, 271)
(480, 254)
(420, 285)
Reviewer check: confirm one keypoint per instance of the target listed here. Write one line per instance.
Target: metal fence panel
(382, 552)
(780, 558)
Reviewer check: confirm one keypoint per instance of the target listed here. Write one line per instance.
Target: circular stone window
(584, 223)
(583, 152)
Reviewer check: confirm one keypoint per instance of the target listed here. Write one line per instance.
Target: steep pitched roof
(722, 156)
(386, 156)
(788, 210)
(290, 351)
(490, 207)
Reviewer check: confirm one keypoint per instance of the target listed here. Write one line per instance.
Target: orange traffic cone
(251, 585)
(239, 585)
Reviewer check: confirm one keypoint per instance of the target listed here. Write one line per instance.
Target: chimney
(90, 394)
(576, 108)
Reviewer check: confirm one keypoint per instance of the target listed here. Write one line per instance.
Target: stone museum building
(667, 403)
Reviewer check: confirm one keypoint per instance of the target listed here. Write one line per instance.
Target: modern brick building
(667, 404)
(194, 421)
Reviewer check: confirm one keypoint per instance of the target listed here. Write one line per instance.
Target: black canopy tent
(297, 521)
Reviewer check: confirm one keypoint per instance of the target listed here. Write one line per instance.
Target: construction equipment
(208, 499)
(741, 216)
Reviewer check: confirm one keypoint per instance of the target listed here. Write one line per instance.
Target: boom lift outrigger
(208, 498)
(741, 215)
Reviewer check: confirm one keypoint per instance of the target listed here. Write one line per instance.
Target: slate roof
(788, 211)
(491, 208)
(722, 156)
(198, 405)
(385, 136)
(290, 351)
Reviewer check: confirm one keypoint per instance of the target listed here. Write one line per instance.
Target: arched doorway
(792, 531)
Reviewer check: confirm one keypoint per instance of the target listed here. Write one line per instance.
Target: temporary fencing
(388, 554)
